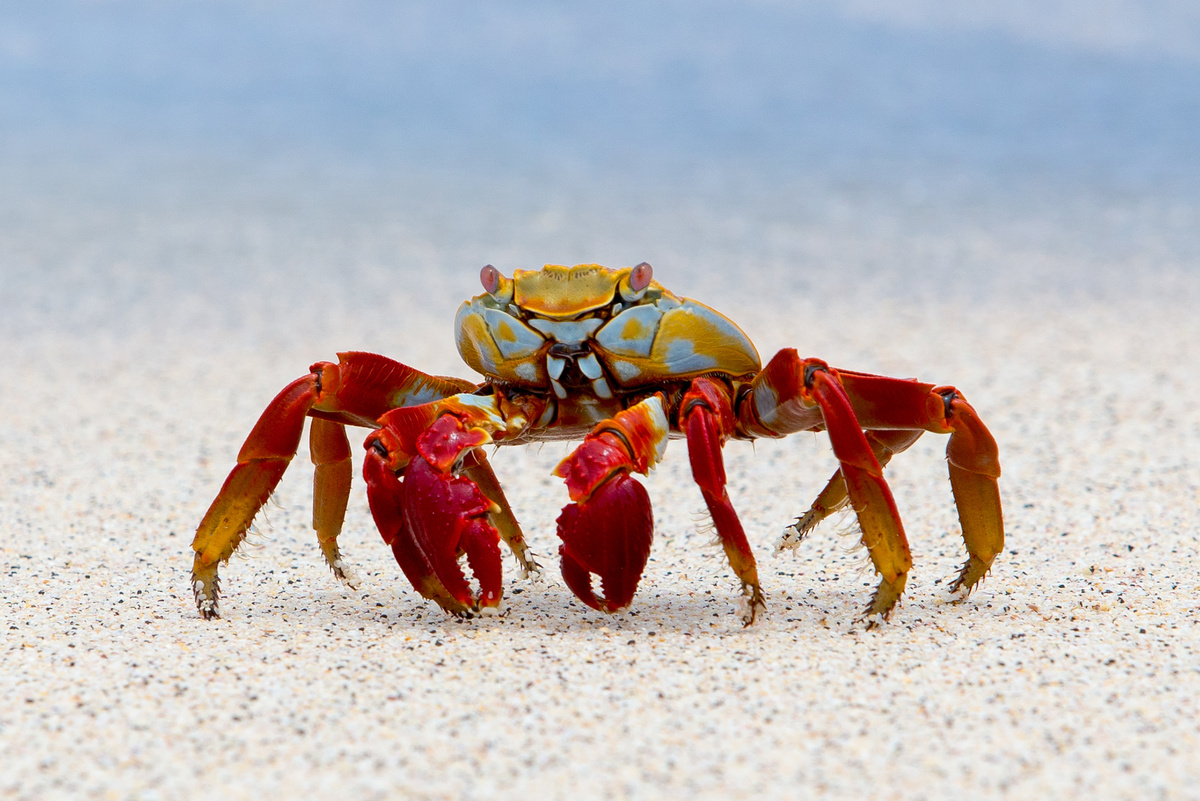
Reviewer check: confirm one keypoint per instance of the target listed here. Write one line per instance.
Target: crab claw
(609, 535)
(431, 518)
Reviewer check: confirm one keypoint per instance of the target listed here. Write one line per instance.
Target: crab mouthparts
(587, 366)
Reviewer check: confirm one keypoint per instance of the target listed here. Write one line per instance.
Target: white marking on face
(555, 366)
(600, 387)
(590, 366)
(626, 371)
(526, 371)
(558, 389)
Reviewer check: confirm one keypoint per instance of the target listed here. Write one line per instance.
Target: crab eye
(489, 276)
(639, 279)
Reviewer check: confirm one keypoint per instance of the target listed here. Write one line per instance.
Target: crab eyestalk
(496, 284)
(635, 284)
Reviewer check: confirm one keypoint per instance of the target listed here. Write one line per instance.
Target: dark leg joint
(374, 444)
(948, 398)
(810, 371)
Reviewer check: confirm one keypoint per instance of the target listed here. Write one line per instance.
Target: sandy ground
(141, 343)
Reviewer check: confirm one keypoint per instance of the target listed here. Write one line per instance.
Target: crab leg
(330, 451)
(706, 416)
(356, 390)
(884, 444)
(791, 394)
(476, 467)
(608, 529)
(972, 457)
(435, 499)
(895, 411)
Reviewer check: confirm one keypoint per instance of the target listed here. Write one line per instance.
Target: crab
(611, 357)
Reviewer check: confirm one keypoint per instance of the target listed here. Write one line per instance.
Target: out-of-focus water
(840, 89)
(191, 150)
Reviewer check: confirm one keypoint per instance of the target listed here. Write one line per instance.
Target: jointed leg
(895, 411)
(885, 445)
(330, 452)
(971, 453)
(974, 464)
(706, 416)
(261, 463)
(792, 395)
(356, 390)
(477, 468)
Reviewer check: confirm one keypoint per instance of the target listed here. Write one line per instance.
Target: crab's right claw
(431, 517)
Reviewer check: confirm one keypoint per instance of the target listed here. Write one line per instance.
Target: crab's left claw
(608, 529)
(431, 516)
(609, 535)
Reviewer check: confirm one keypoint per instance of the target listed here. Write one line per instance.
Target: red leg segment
(356, 390)
(608, 529)
(794, 395)
(882, 531)
(884, 444)
(706, 416)
(330, 451)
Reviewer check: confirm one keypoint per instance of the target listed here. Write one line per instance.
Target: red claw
(430, 518)
(609, 535)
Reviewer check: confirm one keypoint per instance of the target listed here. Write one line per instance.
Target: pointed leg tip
(338, 565)
(794, 534)
(206, 589)
(348, 577)
(973, 572)
(883, 602)
(531, 570)
(754, 604)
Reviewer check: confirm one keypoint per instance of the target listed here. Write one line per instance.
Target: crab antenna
(639, 279)
(489, 276)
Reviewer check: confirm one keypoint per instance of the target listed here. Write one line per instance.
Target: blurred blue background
(773, 89)
(896, 145)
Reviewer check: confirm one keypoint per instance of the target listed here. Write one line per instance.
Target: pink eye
(639, 279)
(489, 276)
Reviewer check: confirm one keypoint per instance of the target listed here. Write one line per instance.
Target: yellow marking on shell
(475, 344)
(561, 292)
(694, 338)
(674, 339)
(633, 329)
(504, 331)
(495, 345)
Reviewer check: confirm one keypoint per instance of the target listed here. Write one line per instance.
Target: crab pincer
(609, 528)
(431, 516)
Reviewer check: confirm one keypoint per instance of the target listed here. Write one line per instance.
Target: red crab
(611, 357)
